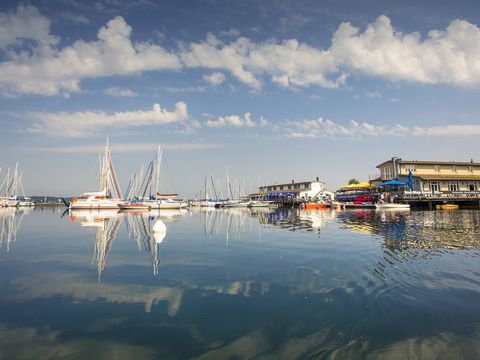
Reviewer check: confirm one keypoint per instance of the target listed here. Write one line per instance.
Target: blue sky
(274, 90)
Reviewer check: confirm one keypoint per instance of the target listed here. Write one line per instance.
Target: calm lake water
(235, 284)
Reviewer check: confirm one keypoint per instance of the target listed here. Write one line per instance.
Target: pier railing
(440, 195)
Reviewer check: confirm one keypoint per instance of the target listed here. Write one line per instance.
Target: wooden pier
(470, 200)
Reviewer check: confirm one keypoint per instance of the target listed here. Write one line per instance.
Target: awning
(393, 183)
(361, 185)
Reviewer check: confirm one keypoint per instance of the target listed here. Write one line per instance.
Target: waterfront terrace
(435, 181)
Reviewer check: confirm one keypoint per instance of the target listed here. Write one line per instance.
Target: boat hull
(94, 204)
(315, 206)
(447, 207)
(133, 206)
(392, 206)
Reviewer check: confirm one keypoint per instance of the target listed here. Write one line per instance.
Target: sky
(274, 90)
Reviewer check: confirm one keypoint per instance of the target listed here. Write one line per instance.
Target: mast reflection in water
(240, 283)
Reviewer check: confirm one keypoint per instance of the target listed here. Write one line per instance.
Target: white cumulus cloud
(54, 71)
(25, 24)
(324, 128)
(87, 123)
(236, 121)
(34, 64)
(119, 92)
(450, 56)
(215, 78)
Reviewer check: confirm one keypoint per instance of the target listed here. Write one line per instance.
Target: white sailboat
(110, 194)
(163, 201)
(13, 188)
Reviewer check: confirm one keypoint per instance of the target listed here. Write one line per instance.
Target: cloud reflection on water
(337, 287)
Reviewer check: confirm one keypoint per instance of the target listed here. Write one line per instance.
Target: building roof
(280, 191)
(430, 162)
(293, 183)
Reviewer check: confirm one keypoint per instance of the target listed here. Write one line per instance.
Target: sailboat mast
(206, 195)
(159, 162)
(15, 181)
(228, 182)
(7, 187)
(111, 171)
(213, 186)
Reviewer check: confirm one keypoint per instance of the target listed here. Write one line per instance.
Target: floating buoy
(159, 227)
(159, 236)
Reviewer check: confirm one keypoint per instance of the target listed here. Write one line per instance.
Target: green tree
(353, 181)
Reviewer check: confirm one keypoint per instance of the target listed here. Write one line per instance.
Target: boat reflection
(11, 219)
(107, 223)
(139, 230)
(296, 219)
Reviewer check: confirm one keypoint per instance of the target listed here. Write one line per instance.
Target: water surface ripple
(240, 283)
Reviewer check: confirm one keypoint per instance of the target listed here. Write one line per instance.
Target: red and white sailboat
(110, 194)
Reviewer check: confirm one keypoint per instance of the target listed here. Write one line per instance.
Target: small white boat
(256, 204)
(165, 204)
(393, 206)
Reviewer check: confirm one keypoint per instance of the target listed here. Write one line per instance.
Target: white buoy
(159, 236)
(159, 226)
(159, 231)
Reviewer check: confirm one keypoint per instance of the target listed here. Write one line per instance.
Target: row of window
(452, 186)
(436, 168)
(285, 187)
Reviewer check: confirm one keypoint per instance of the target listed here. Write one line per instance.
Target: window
(454, 169)
(453, 186)
(472, 187)
(437, 169)
(434, 186)
(289, 187)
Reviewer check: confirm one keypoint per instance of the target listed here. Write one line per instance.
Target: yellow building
(434, 176)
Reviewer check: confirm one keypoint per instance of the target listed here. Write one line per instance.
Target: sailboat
(232, 201)
(141, 198)
(13, 187)
(110, 194)
(159, 200)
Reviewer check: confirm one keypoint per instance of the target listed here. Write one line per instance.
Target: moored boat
(395, 206)
(315, 206)
(446, 207)
(257, 204)
(133, 206)
(110, 194)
